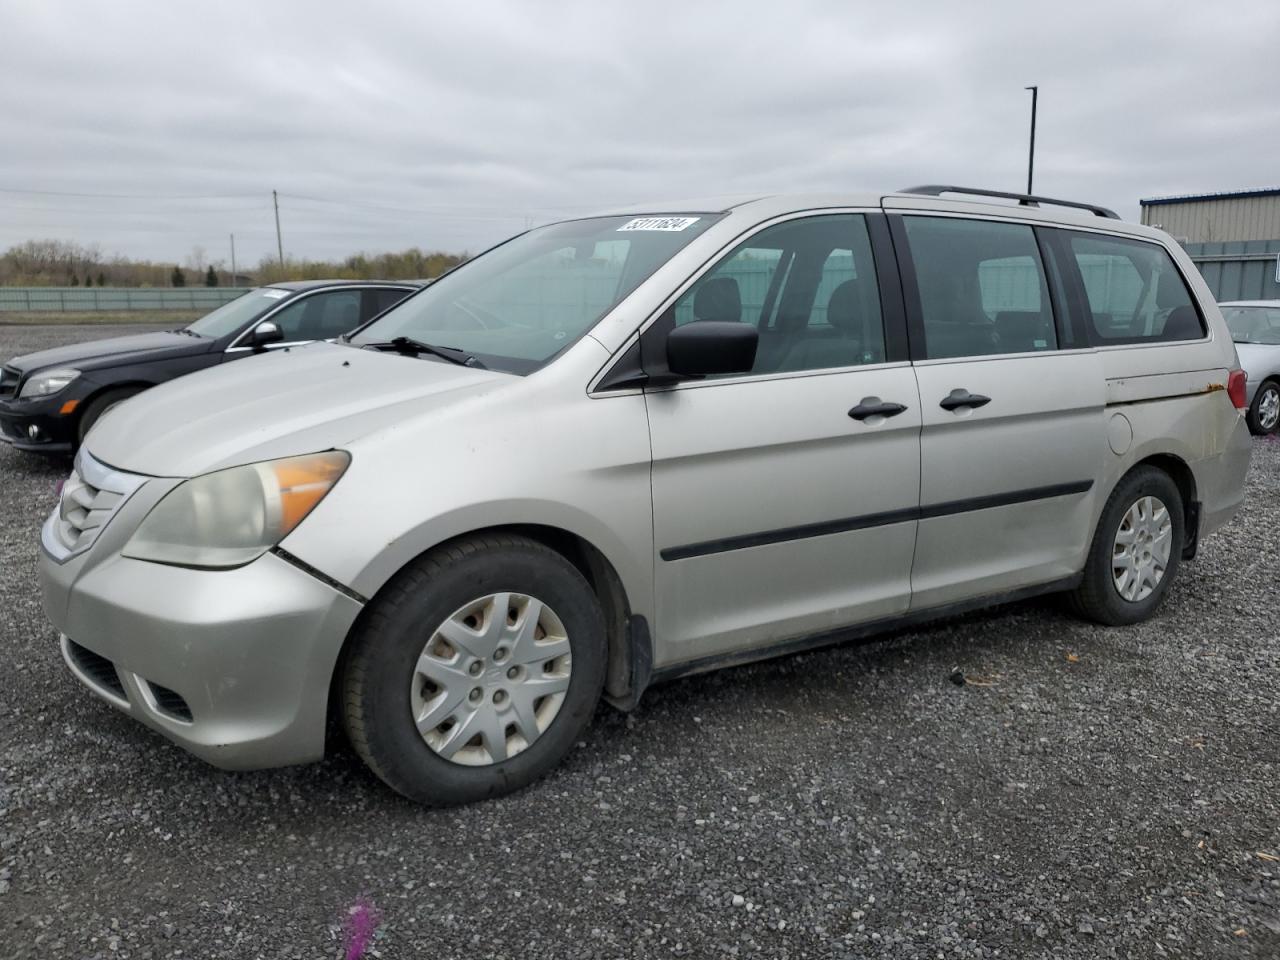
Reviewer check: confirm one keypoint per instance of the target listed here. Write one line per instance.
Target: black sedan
(50, 399)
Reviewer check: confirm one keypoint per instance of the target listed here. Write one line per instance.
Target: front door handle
(874, 407)
(963, 398)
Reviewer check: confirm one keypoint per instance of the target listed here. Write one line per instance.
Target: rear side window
(1135, 293)
(982, 287)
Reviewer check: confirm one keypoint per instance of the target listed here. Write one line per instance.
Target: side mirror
(707, 347)
(263, 334)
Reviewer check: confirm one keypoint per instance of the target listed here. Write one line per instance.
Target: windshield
(1253, 324)
(231, 316)
(520, 304)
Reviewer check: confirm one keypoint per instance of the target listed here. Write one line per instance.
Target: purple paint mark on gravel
(362, 927)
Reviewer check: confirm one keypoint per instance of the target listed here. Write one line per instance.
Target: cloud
(400, 123)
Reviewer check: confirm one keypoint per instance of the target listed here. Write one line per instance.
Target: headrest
(718, 299)
(1023, 330)
(1182, 324)
(1170, 293)
(842, 307)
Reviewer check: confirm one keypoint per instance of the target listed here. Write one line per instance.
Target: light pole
(1031, 156)
(275, 201)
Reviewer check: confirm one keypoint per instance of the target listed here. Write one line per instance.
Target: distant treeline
(58, 263)
(411, 264)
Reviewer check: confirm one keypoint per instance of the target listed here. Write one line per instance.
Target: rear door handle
(963, 398)
(874, 407)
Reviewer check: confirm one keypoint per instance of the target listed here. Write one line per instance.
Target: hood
(278, 404)
(113, 351)
(1258, 360)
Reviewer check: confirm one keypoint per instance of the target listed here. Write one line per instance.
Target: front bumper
(54, 432)
(232, 665)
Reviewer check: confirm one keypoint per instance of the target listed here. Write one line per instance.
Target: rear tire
(429, 708)
(1128, 572)
(99, 405)
(1264, 412)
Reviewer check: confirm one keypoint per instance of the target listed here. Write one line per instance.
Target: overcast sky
(386, 124)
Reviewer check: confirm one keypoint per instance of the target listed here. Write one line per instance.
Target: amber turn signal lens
(303, 482)
(69, 407)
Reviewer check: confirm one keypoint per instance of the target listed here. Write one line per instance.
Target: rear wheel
(99, 405)
(475, 670)
(1136, 549)
(1264, 412)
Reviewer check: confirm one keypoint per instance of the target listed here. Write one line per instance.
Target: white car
(1255, 327)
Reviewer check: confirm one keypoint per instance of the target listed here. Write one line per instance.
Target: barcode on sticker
(659, 223)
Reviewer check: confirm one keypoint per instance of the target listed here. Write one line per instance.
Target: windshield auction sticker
(659, 223)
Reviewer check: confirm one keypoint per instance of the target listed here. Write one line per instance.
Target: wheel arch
(106, 388)
(629, 652)
(1184, 478)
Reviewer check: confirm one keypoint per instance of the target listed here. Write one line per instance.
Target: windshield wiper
(413, 348)
(185, 332)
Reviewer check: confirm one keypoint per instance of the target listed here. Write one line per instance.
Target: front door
(784, 500)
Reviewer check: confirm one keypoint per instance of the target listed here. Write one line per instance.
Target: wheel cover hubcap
(1140, 554)
(1269, 408)
(491, 679)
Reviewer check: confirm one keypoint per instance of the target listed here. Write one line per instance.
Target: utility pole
(1031, 156)
(233, 260)
(279, 243)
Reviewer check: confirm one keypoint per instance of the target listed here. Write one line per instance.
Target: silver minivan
(624, 448)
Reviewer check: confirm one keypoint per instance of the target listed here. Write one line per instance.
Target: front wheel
(1135, 550)
(475, 670)
(1264, 412)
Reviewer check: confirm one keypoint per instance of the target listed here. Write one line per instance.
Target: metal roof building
(1216, 217)
(1234, 238)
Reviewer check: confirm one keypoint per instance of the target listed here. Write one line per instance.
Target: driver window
(320, 316)
(808, 286)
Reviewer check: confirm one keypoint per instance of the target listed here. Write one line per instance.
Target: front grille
(98, 669)
(9, 378)
(90, 497)
(170, 702)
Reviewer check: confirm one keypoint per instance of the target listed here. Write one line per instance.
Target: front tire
(1264, 412)
(475, 670)
(1135, 551)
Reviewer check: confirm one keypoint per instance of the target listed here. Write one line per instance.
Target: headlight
(232, 517)
(47, 381)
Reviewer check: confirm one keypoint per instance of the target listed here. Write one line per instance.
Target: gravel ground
(1097, 793)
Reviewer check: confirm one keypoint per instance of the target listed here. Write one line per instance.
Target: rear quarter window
(1134, 292)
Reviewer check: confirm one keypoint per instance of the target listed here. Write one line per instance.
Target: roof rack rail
(1024, 199)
